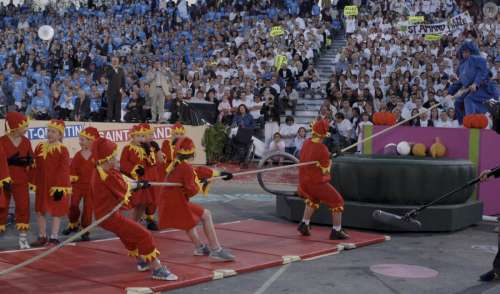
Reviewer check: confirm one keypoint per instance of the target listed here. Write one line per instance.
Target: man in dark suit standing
(116, 87)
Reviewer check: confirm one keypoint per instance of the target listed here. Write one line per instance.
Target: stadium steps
(307, 109)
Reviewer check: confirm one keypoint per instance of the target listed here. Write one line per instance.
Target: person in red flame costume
(108, 189)
(314, 182)
(19, 154)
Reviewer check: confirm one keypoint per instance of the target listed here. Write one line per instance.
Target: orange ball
(419, 150)
(438, 149)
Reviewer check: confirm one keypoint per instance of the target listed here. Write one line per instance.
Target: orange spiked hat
(185, 146)
(148, 128)
(140, 129)
(15, 120)
(57, 125)
(90, 133)
(103, 150)
(320, 128)
(178, 129)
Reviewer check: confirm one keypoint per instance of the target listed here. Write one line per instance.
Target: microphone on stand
(403, 222)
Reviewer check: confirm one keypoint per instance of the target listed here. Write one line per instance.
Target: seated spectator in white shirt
(344, 126)
(424, 121)
(255, 107)
(315, 87)
(224, 109)
(444, 121)
(302, 86)
(277, 144)
(452, 117)
(414, 103)
(288, 132)
(346, 109)
(299, 140)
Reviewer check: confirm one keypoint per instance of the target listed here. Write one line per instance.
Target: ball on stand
(390, 149)
(403, 148)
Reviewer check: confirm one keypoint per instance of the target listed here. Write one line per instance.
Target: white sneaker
(163, 274)
(24, 244)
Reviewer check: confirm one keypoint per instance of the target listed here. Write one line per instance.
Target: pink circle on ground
(404, 271)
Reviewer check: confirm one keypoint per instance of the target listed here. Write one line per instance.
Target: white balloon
(46, 32)
(404, 148)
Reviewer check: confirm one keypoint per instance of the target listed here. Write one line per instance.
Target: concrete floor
(459, 257)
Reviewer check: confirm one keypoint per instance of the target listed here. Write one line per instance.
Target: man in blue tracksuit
(474, 75)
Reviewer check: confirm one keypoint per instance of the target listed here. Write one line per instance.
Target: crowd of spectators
(385, 69)
(167, 53)
(124, 60)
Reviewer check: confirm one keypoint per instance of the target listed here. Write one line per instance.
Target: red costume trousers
(20, 193)
(134, 237)
(74, 209)
(322, 193)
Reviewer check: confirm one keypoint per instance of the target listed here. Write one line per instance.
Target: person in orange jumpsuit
(176, 211)
(52, 182)
(138, 164)
(81, 170)
(167, 147)
(19, 155)
(314, 182)
(155, 173)
(108, 189)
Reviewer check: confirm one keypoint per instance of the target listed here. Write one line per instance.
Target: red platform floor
(101, 266)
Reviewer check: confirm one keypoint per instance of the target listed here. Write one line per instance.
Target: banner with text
(116, 132)
(453, 24)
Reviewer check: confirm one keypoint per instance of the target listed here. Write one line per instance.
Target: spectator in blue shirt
(95, 104)
(40, 106)
(243, 118)
(20, 86)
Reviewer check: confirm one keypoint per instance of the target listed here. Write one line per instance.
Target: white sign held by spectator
(453, 24)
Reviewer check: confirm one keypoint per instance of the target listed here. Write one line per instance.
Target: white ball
(46, 32)
(404, 148)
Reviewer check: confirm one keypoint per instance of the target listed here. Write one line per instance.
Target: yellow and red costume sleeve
(324, 162)
(4, 178)
(190, 182)
(74, 169)
(131, 159)
(168, 151)
(204, 173)
(4, 169)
